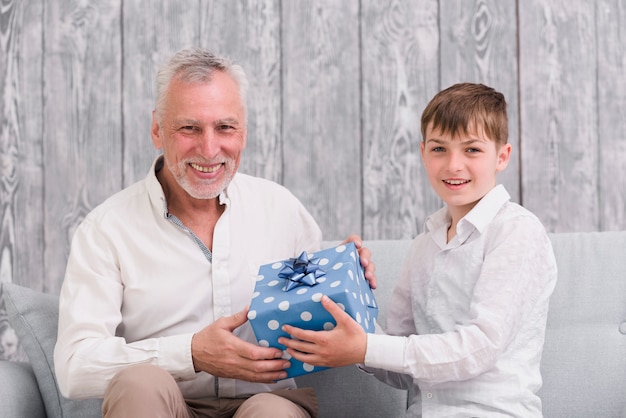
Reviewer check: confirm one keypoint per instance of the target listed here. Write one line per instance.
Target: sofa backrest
(584, 357)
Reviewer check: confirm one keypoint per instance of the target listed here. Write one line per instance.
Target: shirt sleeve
(518, 273)
(88, 353)
(377, 345)
(384, 355)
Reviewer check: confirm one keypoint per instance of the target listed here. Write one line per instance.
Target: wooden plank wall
(337, 89)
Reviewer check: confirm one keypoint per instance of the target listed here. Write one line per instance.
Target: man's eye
(225, 127)
(189, 128)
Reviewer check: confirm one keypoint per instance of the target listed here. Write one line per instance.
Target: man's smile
(210, 169)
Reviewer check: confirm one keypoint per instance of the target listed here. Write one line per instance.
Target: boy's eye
(473, 150)
(438, 149)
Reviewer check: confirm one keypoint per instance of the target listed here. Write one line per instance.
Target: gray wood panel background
(337, 90)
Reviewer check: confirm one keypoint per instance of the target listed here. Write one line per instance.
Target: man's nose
(208, 144)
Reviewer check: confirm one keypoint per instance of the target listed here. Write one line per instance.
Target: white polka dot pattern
(344, 282)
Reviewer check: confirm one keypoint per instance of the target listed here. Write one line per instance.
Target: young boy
(466, 323)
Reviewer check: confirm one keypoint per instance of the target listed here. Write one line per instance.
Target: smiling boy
(466, 323)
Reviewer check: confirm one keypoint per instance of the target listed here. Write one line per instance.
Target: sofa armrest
(19, 393)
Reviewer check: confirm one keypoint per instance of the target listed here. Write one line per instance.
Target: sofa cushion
(347, 392)
(20, 398)
(34, 316)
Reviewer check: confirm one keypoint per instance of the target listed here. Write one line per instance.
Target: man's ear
(155, 132)
(504, 155)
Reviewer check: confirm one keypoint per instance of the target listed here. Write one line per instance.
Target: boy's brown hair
(465, 107)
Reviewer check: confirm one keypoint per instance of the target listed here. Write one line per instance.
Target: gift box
(290, 291)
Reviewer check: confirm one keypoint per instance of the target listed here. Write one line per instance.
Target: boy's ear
(504, 155)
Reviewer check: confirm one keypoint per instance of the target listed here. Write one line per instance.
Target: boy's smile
(462, 169)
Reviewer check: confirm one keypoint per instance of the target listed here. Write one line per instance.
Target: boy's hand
(365, 256)
(341, 346)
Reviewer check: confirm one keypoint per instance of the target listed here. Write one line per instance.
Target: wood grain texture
(9, 132)
(82, 119)
(151, 36)
(321, 111)
(336, 92)
(611, 21)
(559, 134)
(478, 44)
(21, 167)
(252, 39)
(21, 227)
(400, 51)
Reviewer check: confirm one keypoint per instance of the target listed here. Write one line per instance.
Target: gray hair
(196, 65)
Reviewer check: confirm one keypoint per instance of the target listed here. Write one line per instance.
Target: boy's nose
(455, 161)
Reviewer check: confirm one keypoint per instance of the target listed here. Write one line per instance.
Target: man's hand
(365, 257)
(217, 351)
(344, 345)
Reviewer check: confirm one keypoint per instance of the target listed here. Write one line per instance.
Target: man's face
(202, 134)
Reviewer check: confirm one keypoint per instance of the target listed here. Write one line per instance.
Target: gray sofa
(584, 362)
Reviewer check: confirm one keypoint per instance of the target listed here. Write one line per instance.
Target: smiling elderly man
(154, 302)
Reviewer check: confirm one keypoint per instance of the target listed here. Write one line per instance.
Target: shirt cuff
(385, 352)
(175, 356)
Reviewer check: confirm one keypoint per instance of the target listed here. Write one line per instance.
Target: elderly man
(153, 305)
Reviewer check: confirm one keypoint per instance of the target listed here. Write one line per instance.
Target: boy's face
(462, 169)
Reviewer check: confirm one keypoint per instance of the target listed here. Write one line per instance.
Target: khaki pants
(149, 391)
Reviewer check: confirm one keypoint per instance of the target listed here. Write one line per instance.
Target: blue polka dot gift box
(290, 291)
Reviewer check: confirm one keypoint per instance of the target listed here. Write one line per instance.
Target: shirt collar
(476, 219)
(485, 210)
(155, 191)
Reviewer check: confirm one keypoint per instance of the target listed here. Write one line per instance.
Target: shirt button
(429, 395)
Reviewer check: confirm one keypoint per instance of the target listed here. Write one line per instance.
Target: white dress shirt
(139, 284)
(468, 317)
